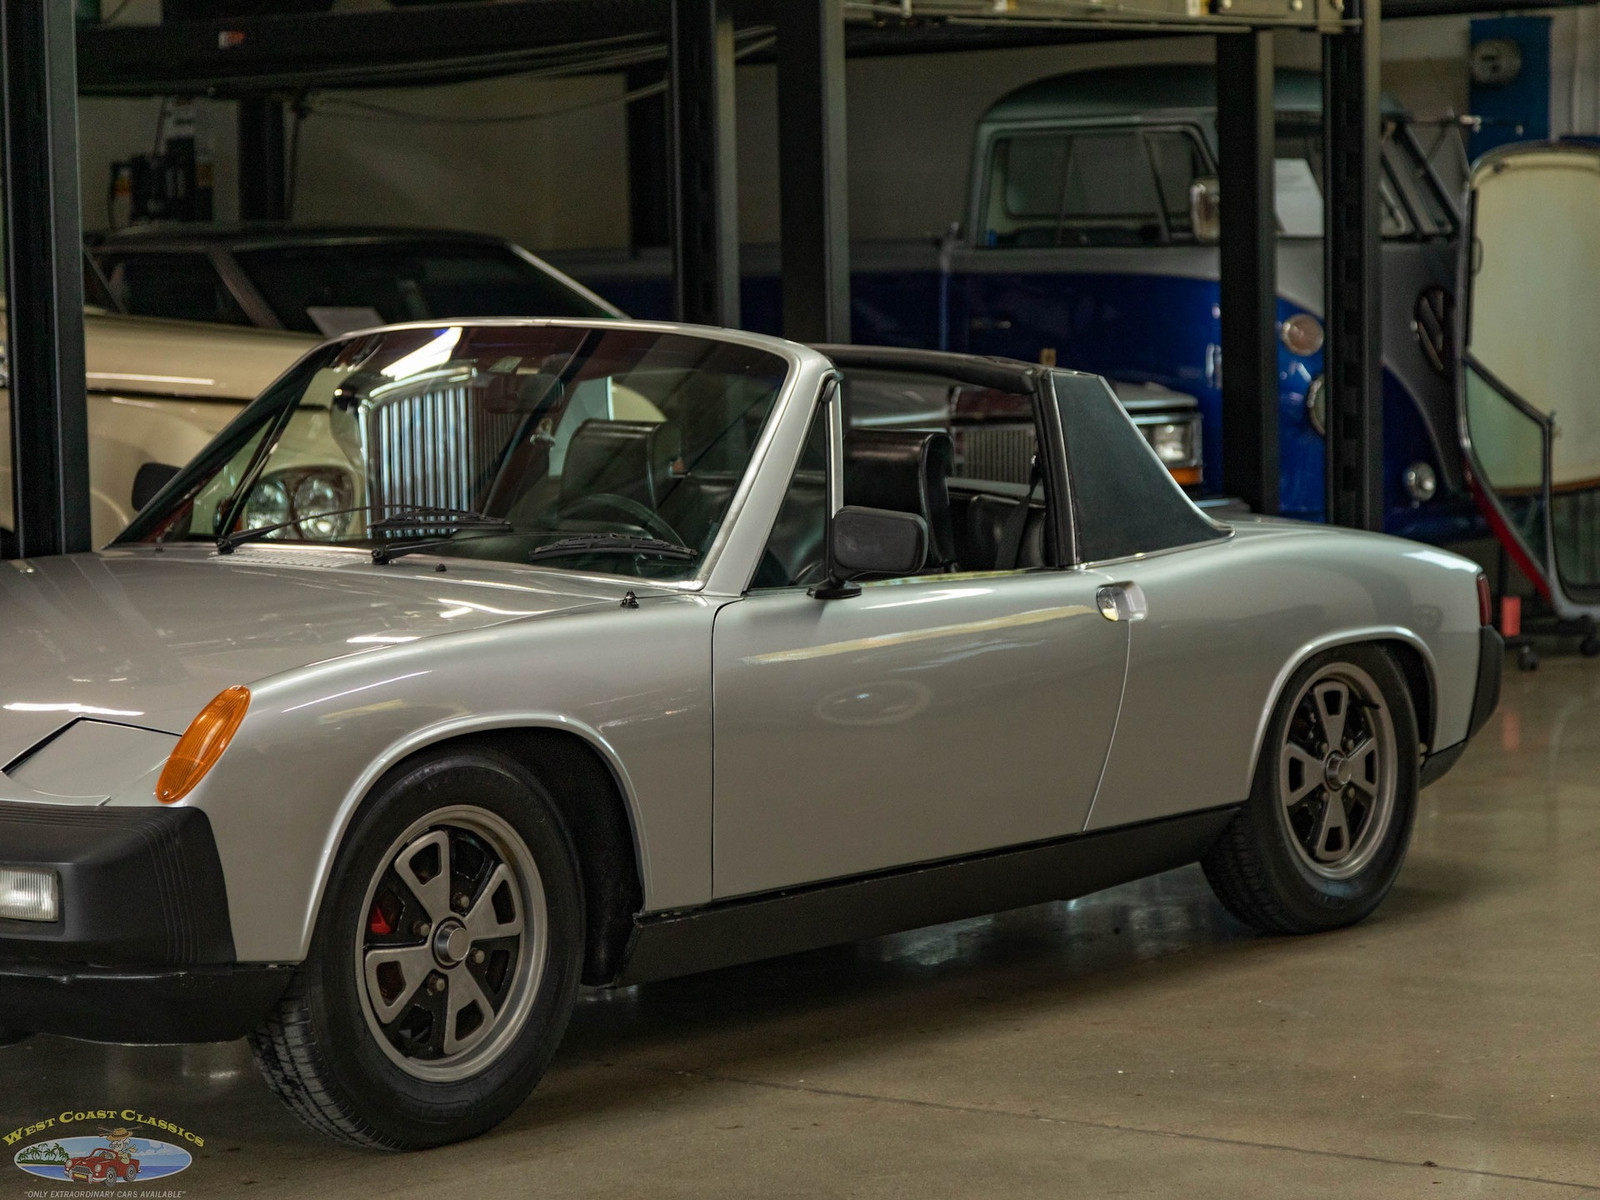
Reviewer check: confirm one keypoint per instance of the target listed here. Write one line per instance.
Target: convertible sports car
(472, 663)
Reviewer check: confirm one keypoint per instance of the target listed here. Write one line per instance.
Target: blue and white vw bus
(1089, 240)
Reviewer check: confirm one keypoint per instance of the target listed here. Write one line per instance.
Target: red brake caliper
(377, 922)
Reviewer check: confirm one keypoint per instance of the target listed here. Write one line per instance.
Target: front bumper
(142, 949)
(1491, 659)
(134, 1006)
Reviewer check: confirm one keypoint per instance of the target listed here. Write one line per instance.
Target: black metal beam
(411, 46)
(1354, 272)
(263, 161)
(44, 278)
(705, 236)
(1249, 254)
(649, 161)
(416, 46)
(814, 227)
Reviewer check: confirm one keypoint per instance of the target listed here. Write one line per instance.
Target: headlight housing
(307, 501)
(1175, 437)
(29, 895)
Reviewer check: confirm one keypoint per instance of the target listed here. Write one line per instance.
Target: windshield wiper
(406, 517)
(423, 518)
(227, 542)
(610, 543)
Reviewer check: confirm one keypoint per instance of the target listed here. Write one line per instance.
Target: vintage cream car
(158, 392)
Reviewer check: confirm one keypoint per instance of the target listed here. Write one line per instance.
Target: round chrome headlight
(1301, 334)
(1317, 406)
(1422, 482)
(318, 497)
(269, 504)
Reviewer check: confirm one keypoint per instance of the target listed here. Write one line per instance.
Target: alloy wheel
(453, 944)
(1337, 771)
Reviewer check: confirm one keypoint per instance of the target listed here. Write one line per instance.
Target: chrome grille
(996, 453)
(432, 448)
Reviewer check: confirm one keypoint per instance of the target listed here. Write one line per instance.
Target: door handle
(1122, 602)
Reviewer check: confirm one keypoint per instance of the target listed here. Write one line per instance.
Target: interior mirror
(151, 478)
(871, 541)
(1205, 208)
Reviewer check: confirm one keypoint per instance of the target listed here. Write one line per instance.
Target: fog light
(1421, 482)
(28, 895)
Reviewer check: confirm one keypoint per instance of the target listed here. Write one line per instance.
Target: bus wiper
(610, 543)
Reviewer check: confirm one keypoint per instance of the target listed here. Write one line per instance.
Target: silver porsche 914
(473, 663)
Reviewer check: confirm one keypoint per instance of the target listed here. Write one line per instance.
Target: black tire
(323, 1051)
(1257, 869)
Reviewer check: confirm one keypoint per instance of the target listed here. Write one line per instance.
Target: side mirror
(1205, 208)
(152, 477)
(871, 541)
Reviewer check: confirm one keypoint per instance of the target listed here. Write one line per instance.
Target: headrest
(904, 470)
(625, 458)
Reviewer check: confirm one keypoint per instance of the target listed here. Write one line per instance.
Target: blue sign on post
(1510, 81)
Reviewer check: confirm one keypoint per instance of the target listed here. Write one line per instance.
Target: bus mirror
(1205, 209)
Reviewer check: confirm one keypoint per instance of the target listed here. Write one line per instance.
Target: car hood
(146, 638)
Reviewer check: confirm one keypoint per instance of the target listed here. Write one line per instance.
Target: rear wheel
(444, 964)
(1325, 830)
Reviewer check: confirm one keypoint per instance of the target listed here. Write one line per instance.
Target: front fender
(634, 683)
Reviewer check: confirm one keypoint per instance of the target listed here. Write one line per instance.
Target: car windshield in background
(334, 288)
(598, 449)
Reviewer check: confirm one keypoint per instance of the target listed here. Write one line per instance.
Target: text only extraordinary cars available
(625, 650)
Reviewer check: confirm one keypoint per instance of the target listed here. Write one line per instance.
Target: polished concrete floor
(1138, 1043)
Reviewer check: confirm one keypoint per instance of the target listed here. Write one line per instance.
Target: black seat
(905, 470)
(620, 458)
(981, 528)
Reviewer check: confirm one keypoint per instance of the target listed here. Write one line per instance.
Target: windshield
(624, 446)
(334, 288)
(1411, 204)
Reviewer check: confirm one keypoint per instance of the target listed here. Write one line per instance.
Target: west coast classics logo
(121, 1150)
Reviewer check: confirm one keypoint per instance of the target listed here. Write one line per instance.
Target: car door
(928, 717)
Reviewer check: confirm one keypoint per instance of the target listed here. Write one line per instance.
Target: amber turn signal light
(1186, 476)
(202, 744)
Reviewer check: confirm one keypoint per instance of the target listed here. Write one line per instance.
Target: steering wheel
(635, 514)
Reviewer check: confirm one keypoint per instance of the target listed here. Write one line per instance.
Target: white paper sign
(334, 319)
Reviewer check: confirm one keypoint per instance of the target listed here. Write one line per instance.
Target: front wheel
(1325, 830)
(444, 964)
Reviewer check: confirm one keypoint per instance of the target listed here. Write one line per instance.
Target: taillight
(1485, 601)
